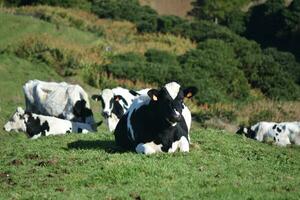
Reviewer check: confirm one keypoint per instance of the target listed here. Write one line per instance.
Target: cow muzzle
(7, 127)
(106, 115)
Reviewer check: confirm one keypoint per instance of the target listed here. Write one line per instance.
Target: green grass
(219, 166)
(77, 166)
(15, 28)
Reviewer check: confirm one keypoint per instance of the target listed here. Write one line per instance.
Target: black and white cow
(35, 125)
(115, 102)
(286, 133)
(259, 131)
(61, 100)
(157, 122)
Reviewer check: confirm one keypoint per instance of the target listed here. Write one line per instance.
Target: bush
(136, 67)
(82, 4)
(144, 16)
(214, 70)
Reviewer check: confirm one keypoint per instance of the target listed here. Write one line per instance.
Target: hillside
(59, 44)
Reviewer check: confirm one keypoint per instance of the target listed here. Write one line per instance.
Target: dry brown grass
(119, 36)
(169, 7)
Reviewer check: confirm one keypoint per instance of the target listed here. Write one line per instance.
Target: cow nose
(106, 114)
(176, 118)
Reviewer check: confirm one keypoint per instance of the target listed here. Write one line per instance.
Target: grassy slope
(219, 166)
(15, 28)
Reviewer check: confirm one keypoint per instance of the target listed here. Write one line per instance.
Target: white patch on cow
(245, 130)
(148, 148)
(56, 126)
(54, 99)
(184, 145)
(107, 95)
(36, 136)
(136, 104)
(16, 123)
(173, 89)
(262, 130)
(286, 133)
(174, 147)
(112, 122)
(186, 113)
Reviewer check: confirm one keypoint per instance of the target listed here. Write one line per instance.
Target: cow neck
(157, 122)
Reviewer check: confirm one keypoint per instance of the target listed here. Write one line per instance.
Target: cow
(35, 125)
(259, 131)
(61, 100)
(115, 102)
(286, 133)
(157, 122)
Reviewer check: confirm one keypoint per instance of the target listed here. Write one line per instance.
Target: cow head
(247, 131)
(168, 101)
(16, 122)
(82, 113)
(111, 103)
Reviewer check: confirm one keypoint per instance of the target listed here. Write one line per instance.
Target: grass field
(220, 165)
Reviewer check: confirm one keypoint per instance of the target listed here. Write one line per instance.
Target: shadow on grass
(107, 145)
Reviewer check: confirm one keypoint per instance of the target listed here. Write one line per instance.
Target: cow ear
(96, 97)
(153, 94)
(190, 92)
(134, 93)
(20, 110)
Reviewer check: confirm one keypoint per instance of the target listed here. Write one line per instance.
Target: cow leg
(148, 148)
(36, 136)
(184, 145)
(174, 147)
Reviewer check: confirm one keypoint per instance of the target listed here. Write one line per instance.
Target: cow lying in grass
(62, 100)
(35, 125)
(259, 131)
(115, 102)
(286, 133)
(282, 134)
(157, 122)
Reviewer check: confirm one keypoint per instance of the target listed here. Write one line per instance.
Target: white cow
(35, 125)
(286, 133)
(61, 100)
(259, 131)
(115, 102)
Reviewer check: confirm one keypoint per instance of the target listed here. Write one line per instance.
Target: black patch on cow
(240, 131)
(152, 123)
(68, 131)
(134, 93)
(279, 130)
(117, 109)
(250, 133)
(34, 126)
(61, 116)
(79, 130)
(81, 111)
(274, 127)
(96, 97)
(122, 99)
